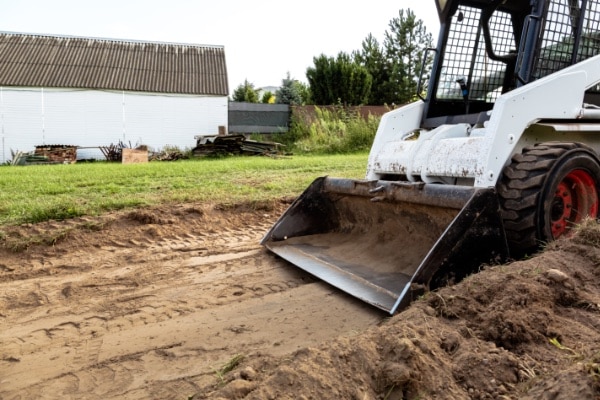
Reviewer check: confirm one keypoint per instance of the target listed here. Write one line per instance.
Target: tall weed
(336, 131)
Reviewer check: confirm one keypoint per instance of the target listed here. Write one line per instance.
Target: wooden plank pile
(57, 153)
(46, 154)
(168, 155)
(233, 145)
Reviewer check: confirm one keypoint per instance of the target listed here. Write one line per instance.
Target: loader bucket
(380, 241)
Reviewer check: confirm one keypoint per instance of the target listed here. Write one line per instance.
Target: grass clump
(53, 211)
(228, 367)
(19, 243)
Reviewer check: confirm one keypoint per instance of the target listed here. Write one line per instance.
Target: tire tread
(519, 190)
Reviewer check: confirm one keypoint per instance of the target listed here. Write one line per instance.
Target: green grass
(38, 193)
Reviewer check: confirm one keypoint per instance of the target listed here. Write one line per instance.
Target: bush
(330, 131)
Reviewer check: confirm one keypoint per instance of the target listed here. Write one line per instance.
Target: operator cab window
(466, 58)
(477, 63)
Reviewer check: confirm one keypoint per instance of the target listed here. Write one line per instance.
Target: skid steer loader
(499, 156)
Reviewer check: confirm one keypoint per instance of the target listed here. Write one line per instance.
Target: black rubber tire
(528, 192)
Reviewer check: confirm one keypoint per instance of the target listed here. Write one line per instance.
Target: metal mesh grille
(501, 31)
(561, 33)
(466, 57)
(488, 79)
(590, 35)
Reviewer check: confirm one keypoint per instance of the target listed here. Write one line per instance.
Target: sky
(264, 40)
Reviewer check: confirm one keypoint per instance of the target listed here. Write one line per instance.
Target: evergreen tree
(404, 45)
(245, 93)
(267, 98)
(288, 93)
(395, 66)
(374, 60)
(338, 80)
(303, 90)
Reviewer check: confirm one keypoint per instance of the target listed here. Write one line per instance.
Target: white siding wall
(86, 118)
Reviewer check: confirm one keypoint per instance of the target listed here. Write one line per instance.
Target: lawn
(43, 192)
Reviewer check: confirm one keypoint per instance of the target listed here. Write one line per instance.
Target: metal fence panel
(258, 118)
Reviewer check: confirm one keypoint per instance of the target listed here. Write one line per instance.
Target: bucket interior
(368, 249)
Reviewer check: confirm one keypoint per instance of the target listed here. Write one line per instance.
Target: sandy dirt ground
(182, 302)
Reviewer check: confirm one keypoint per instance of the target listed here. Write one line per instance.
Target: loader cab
(489, 47)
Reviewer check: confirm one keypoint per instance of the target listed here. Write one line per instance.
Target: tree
(245, 93)
(373, 58)
(396, 65)
(289, 92)
(404, 45)
(338, 80)
(267, 98)
(304, 92)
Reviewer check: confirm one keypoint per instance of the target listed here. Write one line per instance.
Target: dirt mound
(181, 302)
(526, 330)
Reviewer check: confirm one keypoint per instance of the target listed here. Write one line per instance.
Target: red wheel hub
(575, 198)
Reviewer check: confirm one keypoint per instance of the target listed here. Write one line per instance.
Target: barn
(92, 92)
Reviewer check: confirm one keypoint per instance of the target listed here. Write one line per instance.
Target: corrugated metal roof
(92, 63)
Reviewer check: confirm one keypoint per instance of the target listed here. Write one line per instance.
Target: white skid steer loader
(500, 156)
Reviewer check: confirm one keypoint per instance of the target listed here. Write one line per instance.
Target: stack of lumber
(57, 153)
(167, 155)
(233, 145)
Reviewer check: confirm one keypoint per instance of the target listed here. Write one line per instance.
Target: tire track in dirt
(142, 316)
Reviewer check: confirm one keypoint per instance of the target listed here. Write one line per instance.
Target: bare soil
(182, 302)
